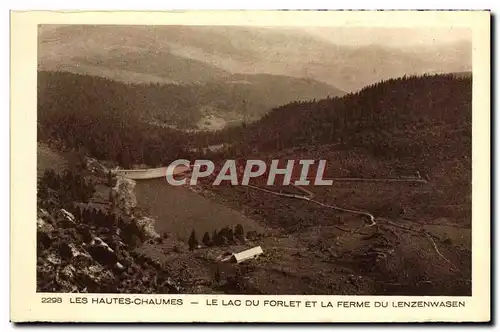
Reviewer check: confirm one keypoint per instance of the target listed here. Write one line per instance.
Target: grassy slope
(48, 159)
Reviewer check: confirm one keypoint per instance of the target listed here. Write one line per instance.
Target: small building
(247, 254)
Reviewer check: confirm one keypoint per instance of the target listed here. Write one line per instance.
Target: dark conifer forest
(414, 118)
(395, 118)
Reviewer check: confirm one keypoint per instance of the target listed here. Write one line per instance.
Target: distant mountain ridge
(194, 54)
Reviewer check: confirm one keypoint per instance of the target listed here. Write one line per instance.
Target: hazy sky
(355, 36)
(401, 37)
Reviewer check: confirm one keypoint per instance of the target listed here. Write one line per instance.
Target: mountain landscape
(397, 121)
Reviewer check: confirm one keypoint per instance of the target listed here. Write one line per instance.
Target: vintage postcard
(250, 166)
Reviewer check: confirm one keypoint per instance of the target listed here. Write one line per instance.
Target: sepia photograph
(255, 159)
(390, 115)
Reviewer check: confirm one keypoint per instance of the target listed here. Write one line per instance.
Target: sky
(391, 37)
(400, 37)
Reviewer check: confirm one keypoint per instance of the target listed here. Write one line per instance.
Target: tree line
(225, 236)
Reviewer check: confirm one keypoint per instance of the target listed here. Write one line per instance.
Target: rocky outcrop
(77, 257)
(123, 195)
(147, 228)
(82, 247)
(95, 167)
(102, 252)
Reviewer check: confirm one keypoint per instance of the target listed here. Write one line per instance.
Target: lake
(178, 210)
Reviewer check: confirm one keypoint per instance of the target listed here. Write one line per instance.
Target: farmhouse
(247, 254)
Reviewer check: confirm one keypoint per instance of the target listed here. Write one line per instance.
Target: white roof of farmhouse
(247, 254)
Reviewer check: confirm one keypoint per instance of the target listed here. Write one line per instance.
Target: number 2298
(51, 299)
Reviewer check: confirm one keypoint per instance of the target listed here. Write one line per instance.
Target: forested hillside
(407, 128)
(418, 119)
(409, 117)
(98, 116)
(235, 98)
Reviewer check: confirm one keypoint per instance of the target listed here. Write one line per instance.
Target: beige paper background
(26, 303)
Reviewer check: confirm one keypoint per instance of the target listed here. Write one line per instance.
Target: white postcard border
(26, 304)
